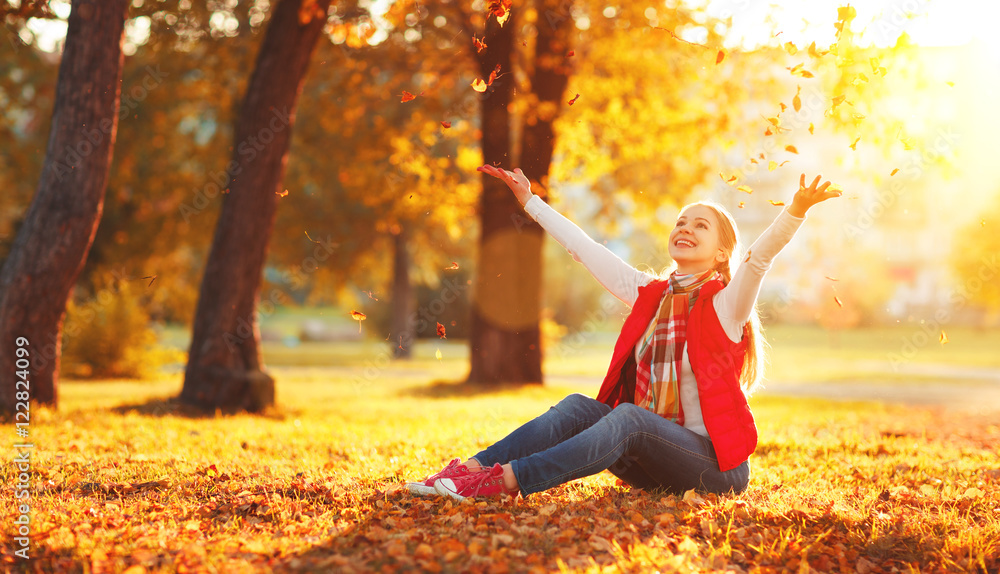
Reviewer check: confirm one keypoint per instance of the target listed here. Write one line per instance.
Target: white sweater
(734, 303)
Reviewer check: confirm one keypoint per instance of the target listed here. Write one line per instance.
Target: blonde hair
(756, 357)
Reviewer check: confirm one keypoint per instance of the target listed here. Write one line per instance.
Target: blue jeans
(581, 436)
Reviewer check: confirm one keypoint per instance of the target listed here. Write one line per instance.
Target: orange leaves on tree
(573, 101)
(359, 317)
(440, 331)
(479, 44)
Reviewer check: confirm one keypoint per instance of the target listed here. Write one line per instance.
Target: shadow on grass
(454, 389)
(173, 407)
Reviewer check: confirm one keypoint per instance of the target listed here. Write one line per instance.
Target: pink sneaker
(426, 487)
(484, 481)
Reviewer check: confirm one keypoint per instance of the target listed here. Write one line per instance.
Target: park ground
(865, 464)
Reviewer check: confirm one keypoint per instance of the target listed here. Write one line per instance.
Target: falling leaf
(790, 48)
(493, 75)
(479, 44)
(950, 84)
(281, 193)
(859, 79)
(854, 144)
(745, 189)
(440, 331)
(740, 205)
(857, 116)
(943, 338)
(768, 131)
(837, 300)
(783, 106)
(774, 121)
(761, 155)
(749, 253)
(776, 203)
(573, 101)
(446, 124)
(479, 85)
(730, 179)
(437, 354)
(720, 57)
(816, 53)
(797, 101)
(772, 165)
(811, 127)
(752, 160)
(407, 96)
(831, 278)
(837, 100)
(784, 162)
(454, 265)
(908, 143)
(894, 172)
(501, 10)
(359, 317)
(791, 149)
(570, 54)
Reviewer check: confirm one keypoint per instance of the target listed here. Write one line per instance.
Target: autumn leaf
(790, 48)
(894, 172)
(730, 179)
(784, 162)
(720, 57)
(440, 331)
(454, 265)
(772, 165)
(768, 131)
(493, 75)
(570, 54)
(479, 85)
(740, 205)
(501, 10)
(797, 101)
(437, 354)
(282, 193)
(908, 143)
(861, 78)
(854, 144)
(573, 101)
(774, 121)
(837, 300)
(479, 44)
(446, 124)
(359, 317)
(943, 338)
(776, 203)
(407, 96)
(816, 53)
(744, 189)
(830, 278)
(791, 148)
(811, 127)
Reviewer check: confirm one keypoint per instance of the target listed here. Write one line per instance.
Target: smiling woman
(672, 412)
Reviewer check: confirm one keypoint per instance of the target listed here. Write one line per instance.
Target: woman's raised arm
(619, 278)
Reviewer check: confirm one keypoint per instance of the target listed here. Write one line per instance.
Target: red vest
(715, 360)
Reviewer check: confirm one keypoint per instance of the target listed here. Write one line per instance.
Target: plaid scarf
(658, 367)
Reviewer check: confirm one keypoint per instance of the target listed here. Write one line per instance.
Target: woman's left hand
(807, 197)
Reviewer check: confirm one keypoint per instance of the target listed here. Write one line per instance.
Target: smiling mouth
(683, 243)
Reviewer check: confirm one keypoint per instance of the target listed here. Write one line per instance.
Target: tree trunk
(403, 322)
(224, 369)
(52, 244)
(505, 337)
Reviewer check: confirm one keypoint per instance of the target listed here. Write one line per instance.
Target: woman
(672, 412)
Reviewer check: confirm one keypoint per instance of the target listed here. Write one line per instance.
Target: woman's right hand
(515, 180)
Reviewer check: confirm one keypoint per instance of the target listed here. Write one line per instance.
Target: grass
(124, 479)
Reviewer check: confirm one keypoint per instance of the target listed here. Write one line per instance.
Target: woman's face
(694, 242)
